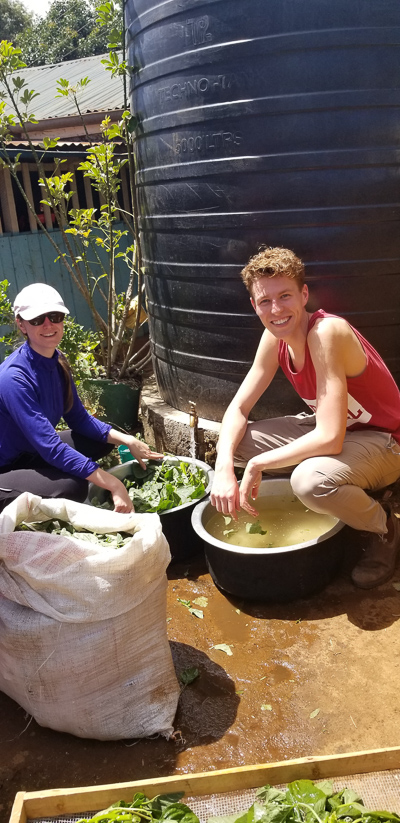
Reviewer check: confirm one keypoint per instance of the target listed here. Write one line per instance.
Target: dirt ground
(313, 677)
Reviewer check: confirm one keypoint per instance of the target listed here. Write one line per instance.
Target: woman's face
(43, 339)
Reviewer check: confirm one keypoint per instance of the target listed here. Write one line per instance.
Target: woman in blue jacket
(36, 390)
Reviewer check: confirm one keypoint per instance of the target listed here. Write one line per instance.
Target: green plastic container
(120, 402)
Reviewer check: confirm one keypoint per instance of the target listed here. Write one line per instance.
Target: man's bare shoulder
(328, 328)
(332, 339)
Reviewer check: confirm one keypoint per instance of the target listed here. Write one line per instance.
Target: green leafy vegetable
(189, 675)
(255, 528)
(65, 529)
(160, 487)
(195, 612)
(142, 810)
(307, 802)
(302, 802)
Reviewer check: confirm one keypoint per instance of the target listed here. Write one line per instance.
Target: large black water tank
(263, 122)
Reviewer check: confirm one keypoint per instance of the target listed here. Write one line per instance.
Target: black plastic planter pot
(176, 523)
(280, 574)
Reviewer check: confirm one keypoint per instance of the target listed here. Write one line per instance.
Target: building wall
(29, 257)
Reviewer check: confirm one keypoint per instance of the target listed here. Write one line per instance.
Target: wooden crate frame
(40, 804)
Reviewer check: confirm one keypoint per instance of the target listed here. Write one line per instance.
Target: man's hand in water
(249, 487)
(225, 493)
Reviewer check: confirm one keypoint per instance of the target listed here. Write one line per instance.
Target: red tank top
(373, 396)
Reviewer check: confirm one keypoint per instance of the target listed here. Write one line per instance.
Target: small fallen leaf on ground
(223, 647)
(188, 675)
(396, 585)
(201, 601)
(266, 707)
(194, 612)
(314, 713)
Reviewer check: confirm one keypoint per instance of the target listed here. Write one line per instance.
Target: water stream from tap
(192, 445)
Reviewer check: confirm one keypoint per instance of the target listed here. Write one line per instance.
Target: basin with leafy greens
(273, 573)
(170, 487)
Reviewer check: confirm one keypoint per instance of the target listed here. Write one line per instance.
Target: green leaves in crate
(163, 808)
(302, 802)
(306, 802)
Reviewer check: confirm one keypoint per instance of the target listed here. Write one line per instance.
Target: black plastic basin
(176, 523)
(280, 574)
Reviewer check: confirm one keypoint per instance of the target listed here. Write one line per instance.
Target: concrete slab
(168, 429)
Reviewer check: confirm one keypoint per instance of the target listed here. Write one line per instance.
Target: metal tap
(193, 416)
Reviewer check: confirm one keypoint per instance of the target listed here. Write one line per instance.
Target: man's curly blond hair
(273, 262)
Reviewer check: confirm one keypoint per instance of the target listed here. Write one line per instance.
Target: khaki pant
(335, 484)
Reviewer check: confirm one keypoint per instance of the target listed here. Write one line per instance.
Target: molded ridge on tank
(275, 127)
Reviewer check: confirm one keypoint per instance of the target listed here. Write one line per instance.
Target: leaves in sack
(64, 529)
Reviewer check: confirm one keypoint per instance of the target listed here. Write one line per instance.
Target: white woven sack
(74, 580)
(102, 668)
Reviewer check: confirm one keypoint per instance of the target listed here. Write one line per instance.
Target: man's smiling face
(280, 304)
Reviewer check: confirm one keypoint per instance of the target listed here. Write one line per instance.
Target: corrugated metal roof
(102, 94)
(64, 147)
(62, 144)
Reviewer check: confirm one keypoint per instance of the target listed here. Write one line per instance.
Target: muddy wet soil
(313, 677)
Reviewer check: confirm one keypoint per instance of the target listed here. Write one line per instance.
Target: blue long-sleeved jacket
(31, 406)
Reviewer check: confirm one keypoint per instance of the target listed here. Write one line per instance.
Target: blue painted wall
(29, 257)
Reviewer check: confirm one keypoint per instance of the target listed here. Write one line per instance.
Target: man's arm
(225, 489)
(330, 347)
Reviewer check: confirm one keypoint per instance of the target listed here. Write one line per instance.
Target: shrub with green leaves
(79, 344)
(9, 337)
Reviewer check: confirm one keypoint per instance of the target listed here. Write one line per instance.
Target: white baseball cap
(37, 299)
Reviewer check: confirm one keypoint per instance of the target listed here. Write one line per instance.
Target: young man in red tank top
(350, 442)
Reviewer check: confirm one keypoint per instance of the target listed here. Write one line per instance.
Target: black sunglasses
(53, 316)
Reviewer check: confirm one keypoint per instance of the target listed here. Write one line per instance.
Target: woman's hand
(249, 487)
(141, 451)
(105, 480)
(122, 501)
(138, 449)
